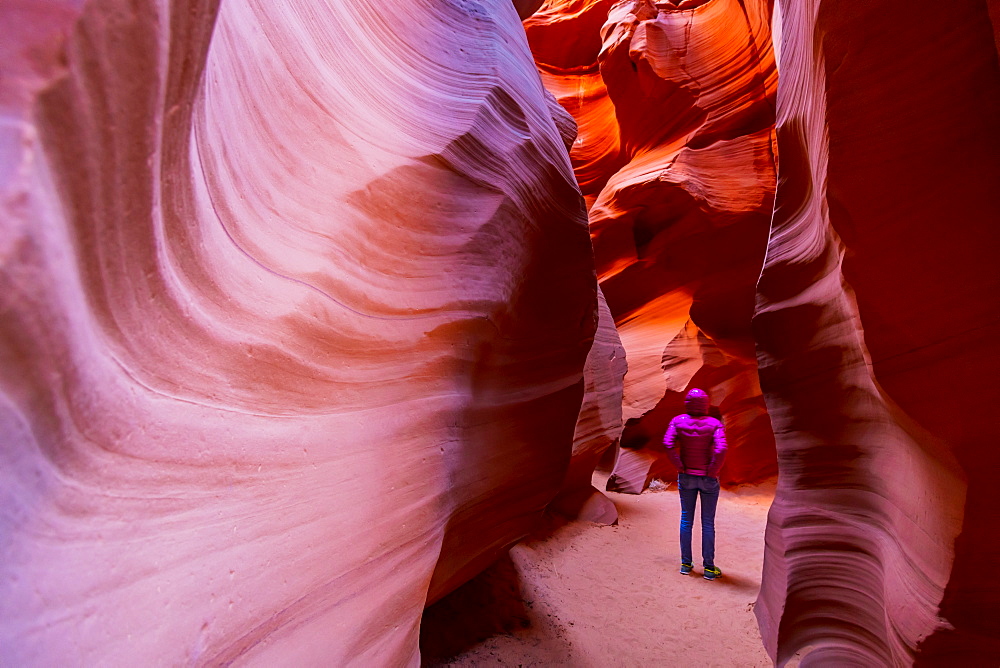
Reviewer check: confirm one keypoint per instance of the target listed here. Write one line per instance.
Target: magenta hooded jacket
(696, 441)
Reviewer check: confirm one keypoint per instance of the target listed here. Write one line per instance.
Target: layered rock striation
(565, 39)
(877, 323)
(675, 105)
(296, 303)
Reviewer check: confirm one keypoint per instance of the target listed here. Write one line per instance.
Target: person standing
(696, 445)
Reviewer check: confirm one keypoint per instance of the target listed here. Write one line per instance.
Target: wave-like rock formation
(296, 302)
(675, 105)
(565, 39)
(877, 324)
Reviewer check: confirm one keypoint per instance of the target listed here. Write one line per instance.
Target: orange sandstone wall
(296, 302)
(675, 154)
(565, 39)
(877, 324)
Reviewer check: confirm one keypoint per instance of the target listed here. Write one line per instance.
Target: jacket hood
(696, 403)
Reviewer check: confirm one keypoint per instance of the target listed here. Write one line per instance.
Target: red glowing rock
(295, 313)
(565, 39)
(526, 8)
(675, 110)
(877, 324)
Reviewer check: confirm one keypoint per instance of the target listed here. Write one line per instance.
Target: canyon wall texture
(675, 107)
(598, 427)
(565, 39)
(877, 322)
(296, 302)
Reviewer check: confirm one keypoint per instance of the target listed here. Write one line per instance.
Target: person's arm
(718, 451)
(673, 451)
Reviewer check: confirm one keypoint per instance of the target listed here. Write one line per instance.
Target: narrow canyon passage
(582, 594)
(316, 315)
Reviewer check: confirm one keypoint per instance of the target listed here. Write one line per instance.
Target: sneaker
(686, 568)
(712, 573)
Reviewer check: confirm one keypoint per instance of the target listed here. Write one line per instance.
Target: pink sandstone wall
(877, 323)
(296, 302)
(287, 352)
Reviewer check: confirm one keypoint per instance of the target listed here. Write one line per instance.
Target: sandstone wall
(296, 300)
(599, 427)
(565, 39)
(675, 105)
(877, 322)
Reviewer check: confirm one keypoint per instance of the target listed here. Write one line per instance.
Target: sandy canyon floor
(589, 595)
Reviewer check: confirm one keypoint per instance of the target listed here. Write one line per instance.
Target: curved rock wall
(599, 426)
(877, 323)
(296, 301)
(675, 105)
(565, 39)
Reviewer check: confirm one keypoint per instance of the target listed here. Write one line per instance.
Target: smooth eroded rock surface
(296, 302)
(599, 426)
(675, 105)
(565, 39)
(877, 323)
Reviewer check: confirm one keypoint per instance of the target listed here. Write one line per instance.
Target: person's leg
(709, 501)
(689, 495)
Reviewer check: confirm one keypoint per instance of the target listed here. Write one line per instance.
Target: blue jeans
(689, 486)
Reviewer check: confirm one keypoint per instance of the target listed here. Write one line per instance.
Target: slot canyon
(323, 320)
